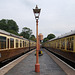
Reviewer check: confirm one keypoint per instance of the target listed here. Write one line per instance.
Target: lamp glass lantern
(36, 12)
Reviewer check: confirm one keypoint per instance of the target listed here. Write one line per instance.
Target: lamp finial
(36, 6)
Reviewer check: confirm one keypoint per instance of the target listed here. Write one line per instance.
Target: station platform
(27, 66)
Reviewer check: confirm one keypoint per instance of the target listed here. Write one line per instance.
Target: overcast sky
(57, 16)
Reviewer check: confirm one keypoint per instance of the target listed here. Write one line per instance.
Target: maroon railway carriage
(63, 45)
(12, 45)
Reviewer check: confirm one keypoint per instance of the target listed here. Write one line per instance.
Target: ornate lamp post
(36, 14)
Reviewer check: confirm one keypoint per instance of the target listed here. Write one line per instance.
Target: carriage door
(8, 43)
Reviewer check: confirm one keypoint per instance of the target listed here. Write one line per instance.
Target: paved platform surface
(27, 66)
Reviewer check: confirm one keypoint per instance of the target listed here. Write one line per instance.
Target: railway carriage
(65, 42)
(12, 45)
(63, 45)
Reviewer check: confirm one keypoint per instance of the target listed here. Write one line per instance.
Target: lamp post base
(37, 67)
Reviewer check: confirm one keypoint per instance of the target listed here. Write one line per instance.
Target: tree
(45, 39)
(51, 36)
(12, 25)
(3, 25)
(9, 26)
(33, 38)
(26, 32)
(13, 32)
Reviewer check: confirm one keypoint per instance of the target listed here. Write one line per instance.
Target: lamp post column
(37, 65)
(36, 14)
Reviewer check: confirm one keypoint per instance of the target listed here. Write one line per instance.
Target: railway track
(69, 62)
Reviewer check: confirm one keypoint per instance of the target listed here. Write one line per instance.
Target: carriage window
(33, 44)
(49, 44)
(11, 43)
(70, 44)
(16, 43)
(2, 42)
(72, 38)
(63, 44)
(25, 44)
(7, 43)
(20, 43)
(58, 44)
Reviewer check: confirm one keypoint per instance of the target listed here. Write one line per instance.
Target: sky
(57, 16)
